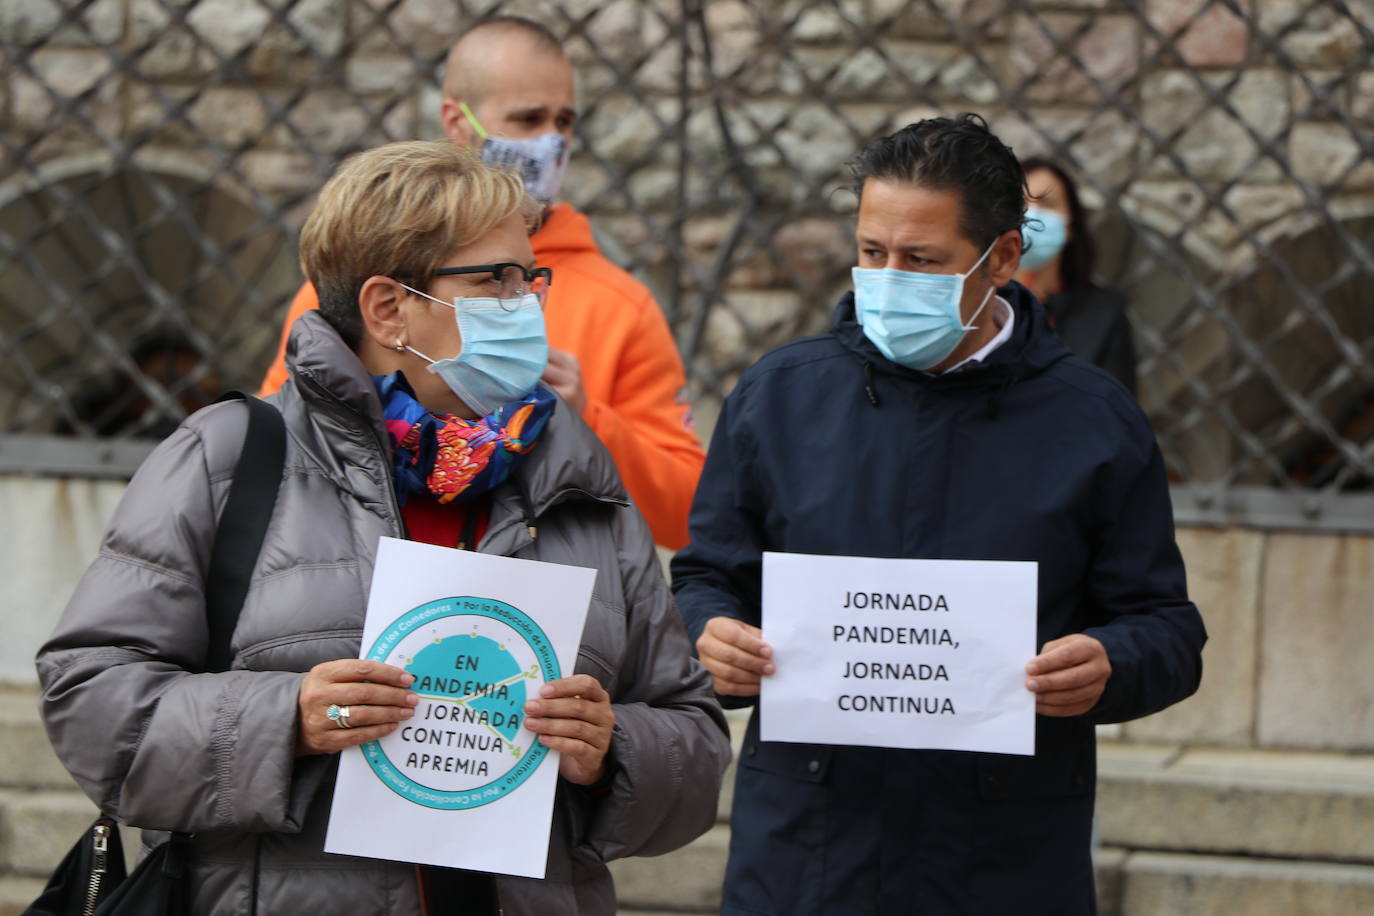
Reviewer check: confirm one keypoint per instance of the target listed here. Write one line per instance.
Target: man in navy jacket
(939, 419)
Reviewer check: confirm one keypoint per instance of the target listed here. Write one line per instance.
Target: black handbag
(86, 875)
(91, 880)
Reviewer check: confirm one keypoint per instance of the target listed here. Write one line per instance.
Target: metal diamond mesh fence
(161, 154)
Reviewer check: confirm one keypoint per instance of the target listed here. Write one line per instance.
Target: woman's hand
(374, 693)
(574, 716)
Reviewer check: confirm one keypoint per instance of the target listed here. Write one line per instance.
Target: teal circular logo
(475, 662)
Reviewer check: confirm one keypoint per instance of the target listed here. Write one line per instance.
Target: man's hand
(1068, 676)
(374, 693)
(573, 716)
(735, 655)
(564, 375)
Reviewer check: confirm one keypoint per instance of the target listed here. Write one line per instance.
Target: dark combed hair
(1078, 260)
(952, 154)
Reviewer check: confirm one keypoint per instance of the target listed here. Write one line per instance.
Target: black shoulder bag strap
(243, 524)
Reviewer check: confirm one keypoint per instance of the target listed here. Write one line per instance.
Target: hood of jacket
(565, 230)
(331, 384)
(1032, 348)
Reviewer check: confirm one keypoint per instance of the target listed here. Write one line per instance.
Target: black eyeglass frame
(496, 270)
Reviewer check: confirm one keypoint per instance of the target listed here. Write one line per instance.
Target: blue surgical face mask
(505, 350)
(913, 318)
(1045, 232)
(539, 161)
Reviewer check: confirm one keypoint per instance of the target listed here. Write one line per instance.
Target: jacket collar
(328, 373)
(568, 463)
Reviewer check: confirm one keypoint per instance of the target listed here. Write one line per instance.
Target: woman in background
(1057, 266)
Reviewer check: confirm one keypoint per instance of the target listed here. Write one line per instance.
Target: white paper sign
(462, 783)
(899, 653)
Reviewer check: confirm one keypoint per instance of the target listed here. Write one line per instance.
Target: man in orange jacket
(612, 357)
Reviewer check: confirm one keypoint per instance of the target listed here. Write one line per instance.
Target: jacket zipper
(102, 848)
(383, 450)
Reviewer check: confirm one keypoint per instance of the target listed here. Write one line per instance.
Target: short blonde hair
(399, 211)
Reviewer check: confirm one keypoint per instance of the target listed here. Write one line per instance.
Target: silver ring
(339, 715)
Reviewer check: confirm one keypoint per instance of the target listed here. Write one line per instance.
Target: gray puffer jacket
(212, 754)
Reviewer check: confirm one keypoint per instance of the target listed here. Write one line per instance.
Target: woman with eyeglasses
(414, 410)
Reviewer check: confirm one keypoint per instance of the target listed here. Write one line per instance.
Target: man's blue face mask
(912, 317)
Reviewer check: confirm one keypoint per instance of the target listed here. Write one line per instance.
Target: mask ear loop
(426, 295)
(472, 119)
(974, 317)
(421, 355)
(404, 346)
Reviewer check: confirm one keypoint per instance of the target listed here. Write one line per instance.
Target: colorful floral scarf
(452, 458)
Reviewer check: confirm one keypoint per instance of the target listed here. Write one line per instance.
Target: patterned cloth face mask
(504, 352)
(539, 161)
(912, 317)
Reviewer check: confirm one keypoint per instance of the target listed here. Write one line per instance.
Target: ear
(379, 301)
(1005, 258)
(455, 123)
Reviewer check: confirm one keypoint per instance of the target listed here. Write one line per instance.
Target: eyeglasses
(511, 280)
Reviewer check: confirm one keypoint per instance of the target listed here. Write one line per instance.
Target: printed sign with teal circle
(475, 661)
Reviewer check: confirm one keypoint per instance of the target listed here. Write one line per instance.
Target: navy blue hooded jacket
(827, 447)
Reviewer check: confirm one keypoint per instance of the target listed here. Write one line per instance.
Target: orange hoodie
(631, 370)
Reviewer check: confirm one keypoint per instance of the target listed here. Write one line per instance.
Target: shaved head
(474, 60)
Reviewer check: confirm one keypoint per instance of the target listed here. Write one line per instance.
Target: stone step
(687, 880)
(738, 720)
(1281, 804)
(1226, 801)
(37, 827)
(1129, 884)
(1151, 883)
(26, 757)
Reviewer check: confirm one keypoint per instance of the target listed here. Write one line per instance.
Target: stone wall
(55, 528)
(1290, 619)
(1204, 139)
